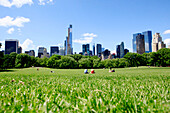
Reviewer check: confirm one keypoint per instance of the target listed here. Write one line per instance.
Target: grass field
(127, 90)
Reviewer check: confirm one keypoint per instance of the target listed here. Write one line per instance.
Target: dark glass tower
(99, 49)
(134, 42)
(11, 46)
(86, 48)
(54, 50)
(148, 41)
(140, 44)
(122, 50)
(118, 51)
(93, 49)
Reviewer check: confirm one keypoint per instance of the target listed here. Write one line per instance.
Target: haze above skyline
(45, 22)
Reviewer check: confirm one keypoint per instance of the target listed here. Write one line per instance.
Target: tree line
(14, 60)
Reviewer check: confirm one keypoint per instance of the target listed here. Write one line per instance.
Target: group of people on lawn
(92, 71)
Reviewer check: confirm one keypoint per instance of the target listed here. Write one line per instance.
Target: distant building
(42, 52)
(134, 42)
(169, 46)
(86, 49)
(81, 53)
(140, 44)
(69, 49)
(11, 46)
(126, 51)
(99, 49)
(61, 51)
(19, 49)
(93, 49)
(54, 50)
(30, 53)
(103, 49)
(122, 50)
(118, 51)
(90, 53)
(157, 42)
(148, 41)
(106, 54)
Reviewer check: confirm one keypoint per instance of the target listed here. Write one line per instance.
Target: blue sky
(109, 22)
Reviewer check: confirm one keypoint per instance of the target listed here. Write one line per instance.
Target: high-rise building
(134, 42)
(118, 51)
(19, 49)
(99, 49)
(105, 54)
(148, 41)
(69, 49)
(42, 52)
(140, 44)
(86, 49)
(62, 51)
(11, 46)
(157, 42)
(54, 50)
(122, 50)
(94, 49)
(30, 53)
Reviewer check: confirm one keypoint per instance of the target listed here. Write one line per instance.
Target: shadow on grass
(7, 71)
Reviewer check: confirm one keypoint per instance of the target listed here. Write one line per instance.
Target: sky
(45, 23)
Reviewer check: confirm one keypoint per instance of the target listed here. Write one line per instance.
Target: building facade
(99, 49)
(86, 49)
(148, 41)
(106, 54)
(11, 46)
(54, 50)
(94, 50)
(134, 42)
(157, 42)
(19, 49)
(122, 50)
(69, 48)
(42, 52)
(118, 51)
(140, 44)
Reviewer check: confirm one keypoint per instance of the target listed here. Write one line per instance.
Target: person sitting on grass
(111, 70)
(86, 71)
(92, 71)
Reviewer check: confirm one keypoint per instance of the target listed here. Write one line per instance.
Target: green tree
(164, 57)
(85, 63)
(52, 62)
(22, 60)
(67, 62)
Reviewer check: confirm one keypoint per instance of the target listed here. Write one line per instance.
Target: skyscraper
(134, 42)
(148, 41)
(54, 50)
(157, 42)
(69, 49)
(122, 50)
(11, 46)
(94, 49)
(99, 49)
(86, 49)
(118, 51)
(126, 51)
(140, 44)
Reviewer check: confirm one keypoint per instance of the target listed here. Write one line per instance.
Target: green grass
(127, 90)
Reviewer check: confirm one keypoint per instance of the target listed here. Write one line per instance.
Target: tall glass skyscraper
(11, 46)
(148, 41)
(134, 42)
(69, 49)
(118, 51)
(122, 50)
(99, 50)
(94, 49)
(86, 48)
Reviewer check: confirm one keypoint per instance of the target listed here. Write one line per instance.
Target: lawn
(140, 89)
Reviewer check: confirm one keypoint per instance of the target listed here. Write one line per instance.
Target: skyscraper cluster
(143, 42)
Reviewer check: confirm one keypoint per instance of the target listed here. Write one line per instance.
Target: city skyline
(108, 23)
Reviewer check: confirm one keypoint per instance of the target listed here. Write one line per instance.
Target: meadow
(140, 89)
